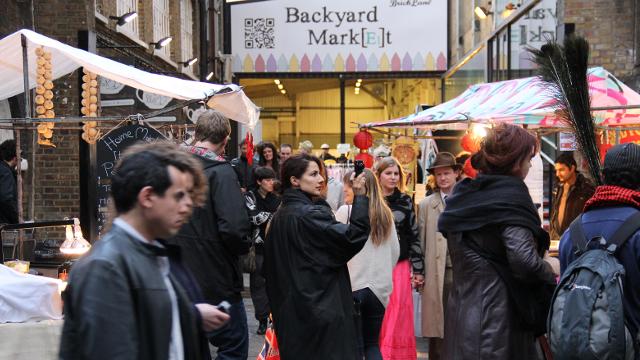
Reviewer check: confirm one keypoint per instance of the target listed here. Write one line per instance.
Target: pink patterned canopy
(524, 101)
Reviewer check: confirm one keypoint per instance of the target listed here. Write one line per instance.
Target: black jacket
(244, 171)
(216, 235)
(8, 195)
(579, 193)
(305, 266)
(117, 306)
(404, 215)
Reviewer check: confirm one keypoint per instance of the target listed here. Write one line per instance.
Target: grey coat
(481, 321)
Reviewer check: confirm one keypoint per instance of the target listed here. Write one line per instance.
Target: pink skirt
(397, 337)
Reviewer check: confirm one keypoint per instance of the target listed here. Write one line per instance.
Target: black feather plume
(564, 68)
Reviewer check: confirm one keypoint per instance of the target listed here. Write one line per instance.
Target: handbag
(270, 350)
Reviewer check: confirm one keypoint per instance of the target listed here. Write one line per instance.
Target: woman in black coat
(305, 264)
(501, 269)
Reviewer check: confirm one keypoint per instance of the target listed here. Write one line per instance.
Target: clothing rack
(337, 171)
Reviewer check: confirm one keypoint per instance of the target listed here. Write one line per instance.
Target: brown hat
(444, 159)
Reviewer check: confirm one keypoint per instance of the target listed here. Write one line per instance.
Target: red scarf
(608, 195)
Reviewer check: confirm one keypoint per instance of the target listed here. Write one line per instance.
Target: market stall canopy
(524, 101)
(229, 99)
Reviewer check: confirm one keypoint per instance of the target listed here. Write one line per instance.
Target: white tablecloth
(31, 340)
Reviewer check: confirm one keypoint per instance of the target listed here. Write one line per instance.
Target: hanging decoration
(248, 141)
(90, 131)
(363, 140)
(44, 96)
(564, 69)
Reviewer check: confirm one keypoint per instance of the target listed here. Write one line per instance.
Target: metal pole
(342, 111)
(27, 114)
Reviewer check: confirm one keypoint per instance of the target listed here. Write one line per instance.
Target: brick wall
(609, 26)
(56, 170)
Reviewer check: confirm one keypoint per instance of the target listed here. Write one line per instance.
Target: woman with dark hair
(397, 336)
(305, 265)
(269, 157)
(502, 274)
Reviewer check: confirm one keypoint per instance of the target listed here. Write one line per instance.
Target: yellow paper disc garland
(90, 131)
(44, 96)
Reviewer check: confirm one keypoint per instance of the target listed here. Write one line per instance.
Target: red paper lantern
(470, 143)
(363, 139)
(366, 158)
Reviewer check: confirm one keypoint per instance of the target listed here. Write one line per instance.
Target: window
(122, 7)
(186, 36)
(161, 28)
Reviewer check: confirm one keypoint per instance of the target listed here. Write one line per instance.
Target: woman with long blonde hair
(397, 336)
(371, 269)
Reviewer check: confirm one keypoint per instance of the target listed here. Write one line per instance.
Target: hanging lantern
(363, 139)
(366, 158)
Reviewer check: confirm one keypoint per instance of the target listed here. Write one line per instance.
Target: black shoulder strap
(578, 238)
(625, 231)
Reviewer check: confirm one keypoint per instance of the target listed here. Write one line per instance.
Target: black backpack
(586, 319)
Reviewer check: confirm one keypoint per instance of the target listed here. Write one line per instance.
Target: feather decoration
(564, 69)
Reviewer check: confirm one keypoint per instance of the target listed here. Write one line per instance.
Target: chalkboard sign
(109, 149)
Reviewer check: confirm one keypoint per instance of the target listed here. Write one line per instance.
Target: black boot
(262, 328)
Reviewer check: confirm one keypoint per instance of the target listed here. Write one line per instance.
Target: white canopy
(65, 59)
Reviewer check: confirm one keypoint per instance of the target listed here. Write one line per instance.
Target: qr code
(258, 33)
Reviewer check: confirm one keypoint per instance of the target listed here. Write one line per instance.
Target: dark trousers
(258, 288)
(232, 340)
(436, 345)
(369, 313)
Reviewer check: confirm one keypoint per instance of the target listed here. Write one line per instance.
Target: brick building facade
(53, 185)
(612, 28)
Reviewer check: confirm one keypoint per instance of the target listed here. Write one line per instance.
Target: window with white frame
(186, 28)
(126, 6)
(161, 27)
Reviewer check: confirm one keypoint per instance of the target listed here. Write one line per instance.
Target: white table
(31, 340)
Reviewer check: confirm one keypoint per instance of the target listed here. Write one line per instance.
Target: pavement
(256, 341)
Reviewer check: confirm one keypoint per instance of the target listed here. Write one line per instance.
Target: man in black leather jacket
(217, 234)
(122, 302)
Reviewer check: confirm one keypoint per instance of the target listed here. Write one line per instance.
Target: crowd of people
(338, 283)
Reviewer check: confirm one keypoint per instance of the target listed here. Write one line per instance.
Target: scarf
(609, 195)
(203, 152)
(491, 200)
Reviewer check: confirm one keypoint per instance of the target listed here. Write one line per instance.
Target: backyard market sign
(339, 36)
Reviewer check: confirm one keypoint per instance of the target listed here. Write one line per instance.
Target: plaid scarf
(608, 195)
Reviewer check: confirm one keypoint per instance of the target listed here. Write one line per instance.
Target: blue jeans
(369, 314)
(232, 340)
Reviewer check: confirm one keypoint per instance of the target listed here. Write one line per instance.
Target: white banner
(339, 36)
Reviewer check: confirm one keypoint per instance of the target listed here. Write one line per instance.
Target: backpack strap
(625, 231)
(578, 238)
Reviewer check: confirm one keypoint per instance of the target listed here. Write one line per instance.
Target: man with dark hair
(286, 150)
(604, 213)
(243, 169)
(217, 234)
(262, 203)
(569, 195)
(121, 300)
(8, 188)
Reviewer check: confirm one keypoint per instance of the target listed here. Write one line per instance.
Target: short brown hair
(503, 150)
(212, 126)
